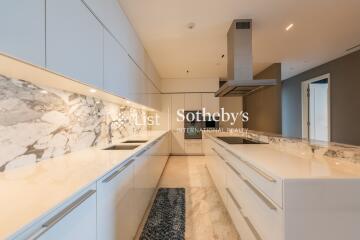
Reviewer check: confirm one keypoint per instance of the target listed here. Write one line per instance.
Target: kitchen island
(273, 194)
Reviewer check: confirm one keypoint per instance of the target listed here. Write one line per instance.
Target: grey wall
(231, 105)
(344, 99)
(264, 106)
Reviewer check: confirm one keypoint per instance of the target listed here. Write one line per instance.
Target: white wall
(172, 85)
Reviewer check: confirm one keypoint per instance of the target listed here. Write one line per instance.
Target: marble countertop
(28, 193)
(285, 165)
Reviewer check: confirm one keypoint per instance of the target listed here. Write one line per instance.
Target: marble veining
(38, 123)
(302, 147)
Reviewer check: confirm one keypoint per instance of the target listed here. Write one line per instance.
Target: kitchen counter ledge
(28, 193)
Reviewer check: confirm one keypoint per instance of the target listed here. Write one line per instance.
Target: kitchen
(142, 119)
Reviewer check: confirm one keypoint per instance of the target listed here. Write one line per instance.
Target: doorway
(315, 94)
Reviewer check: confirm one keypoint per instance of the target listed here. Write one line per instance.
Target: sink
(136, 141)
(239, 140)
(121, 147)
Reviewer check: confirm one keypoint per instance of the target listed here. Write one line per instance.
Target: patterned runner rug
(167, 216)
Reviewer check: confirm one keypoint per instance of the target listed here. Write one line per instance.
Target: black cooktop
(239, 140)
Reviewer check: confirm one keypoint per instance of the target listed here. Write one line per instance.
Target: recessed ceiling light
(289, 27)
(44, 92)
(92, 90)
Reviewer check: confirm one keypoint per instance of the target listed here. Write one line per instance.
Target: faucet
(110, 130)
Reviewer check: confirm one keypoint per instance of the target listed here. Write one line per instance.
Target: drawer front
(73, 219)
(242, 224)
(219, 169)
(271, 186)
(261, 212)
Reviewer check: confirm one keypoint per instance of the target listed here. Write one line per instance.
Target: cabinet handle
(218, 154)
(117, 172)
(141, 152)
(233, 199)
(254, 189)
(252, 228)
(257, 170)
(58, 217)
(235, 171)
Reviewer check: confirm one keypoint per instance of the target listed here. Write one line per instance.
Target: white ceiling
(323, 30)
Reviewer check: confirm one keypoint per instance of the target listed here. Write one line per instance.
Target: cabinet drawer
(219, 172)
(74, 219)
(264, 215)
(242, 224)
(271, 186)
(115, 202)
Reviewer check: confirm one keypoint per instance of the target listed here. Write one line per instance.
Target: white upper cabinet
(116, 68)
(74, 41)
(22, 27)
(113, 17)
(177, 139)
(210, 102)
(192, 101)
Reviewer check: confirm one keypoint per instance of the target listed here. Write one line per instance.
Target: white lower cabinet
(114, 210)
(75, 219)
(254, 215)
(113, 207)
(241, 223)
(281, 206)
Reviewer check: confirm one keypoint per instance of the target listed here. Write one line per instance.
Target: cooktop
(239, 140)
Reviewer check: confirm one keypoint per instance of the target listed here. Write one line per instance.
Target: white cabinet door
(74, 41)
(164, 115)
(177, 104)
(154, 96)
(177, 143)
(192, 101)
(193, 146)
(115, 210)
(142, 188)
(22, 27)
(116, 67)
(75, 219)
(144, 87)
(210, 102)
(114, 18)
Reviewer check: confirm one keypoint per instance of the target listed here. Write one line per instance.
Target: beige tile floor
(206, 216)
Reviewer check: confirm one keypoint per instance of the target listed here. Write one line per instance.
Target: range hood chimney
(239, 62)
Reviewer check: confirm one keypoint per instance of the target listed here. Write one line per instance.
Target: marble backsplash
(38, 123)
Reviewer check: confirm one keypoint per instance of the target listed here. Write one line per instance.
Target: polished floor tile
(206, 216)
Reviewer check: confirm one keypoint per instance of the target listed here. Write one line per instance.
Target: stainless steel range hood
(239, 64)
